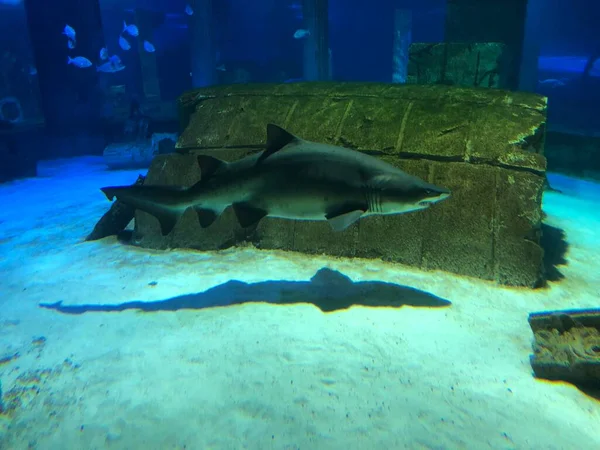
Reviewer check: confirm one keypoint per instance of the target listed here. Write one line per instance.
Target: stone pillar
(69, 95)
(402, 41)
(316, 45)
(145, 20)
(531, 47)
(204, 70)
(483, 21)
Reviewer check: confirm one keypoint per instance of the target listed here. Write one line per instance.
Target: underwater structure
(317, 54)
(387, 276)
(500, 21)
(486, 146)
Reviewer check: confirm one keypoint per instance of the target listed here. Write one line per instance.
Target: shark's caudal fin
(277, 138)
(138, 197)
(110, 192)
(157, 201)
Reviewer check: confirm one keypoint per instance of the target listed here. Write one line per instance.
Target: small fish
(222, 68)
(124, 43)
(32, 70)
(110, 67)
(103, 53)
(301, 34)
(552, 82)
(115, 59)
(188, 10)
(149, 47)
(79, 61)
(69, 31)
(132, 29)
(71, 44)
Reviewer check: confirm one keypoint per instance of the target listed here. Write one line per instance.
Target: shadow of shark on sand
(329, 290)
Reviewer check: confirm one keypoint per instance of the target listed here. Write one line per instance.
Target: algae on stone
(458, 64)
(567, 346)
(486, 145)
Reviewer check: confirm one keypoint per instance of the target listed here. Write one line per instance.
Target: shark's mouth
(425, 203)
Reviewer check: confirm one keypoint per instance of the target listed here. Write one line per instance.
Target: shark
(292, 178)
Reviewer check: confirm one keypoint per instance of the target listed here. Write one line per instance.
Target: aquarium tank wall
(299, 224)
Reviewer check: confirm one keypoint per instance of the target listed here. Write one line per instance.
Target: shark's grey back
(330, 162)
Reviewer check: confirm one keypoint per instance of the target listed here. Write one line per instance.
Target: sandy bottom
(183, 366)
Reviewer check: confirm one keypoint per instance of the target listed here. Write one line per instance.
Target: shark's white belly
(291, 211)
(300, 202)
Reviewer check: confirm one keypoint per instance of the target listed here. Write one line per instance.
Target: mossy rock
(567, 346)
(486, 145)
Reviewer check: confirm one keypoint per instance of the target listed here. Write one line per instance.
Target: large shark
(292, 179)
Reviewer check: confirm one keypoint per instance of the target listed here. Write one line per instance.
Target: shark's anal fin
(277, 138)
(206, 217)
(167, 220)
(209, 165)
(248, 215)
(341, 218)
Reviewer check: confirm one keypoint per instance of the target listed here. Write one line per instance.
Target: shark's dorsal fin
(209, 165)
(277, 138)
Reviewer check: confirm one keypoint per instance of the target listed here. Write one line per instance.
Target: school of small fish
(113, 63)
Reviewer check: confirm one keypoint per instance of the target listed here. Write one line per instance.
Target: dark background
(255, 39)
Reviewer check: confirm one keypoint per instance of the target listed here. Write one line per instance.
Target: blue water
(104, 344)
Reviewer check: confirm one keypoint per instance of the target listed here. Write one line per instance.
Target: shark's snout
(435, 196)
(444, 195)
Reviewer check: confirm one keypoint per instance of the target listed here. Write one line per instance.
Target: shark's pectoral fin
(342, 216)
(277, 138)
(248, 215)
(206, 217)
(342, 221)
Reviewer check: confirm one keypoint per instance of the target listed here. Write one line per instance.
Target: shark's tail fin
(151, 199)
(159, 201)
(111, 191)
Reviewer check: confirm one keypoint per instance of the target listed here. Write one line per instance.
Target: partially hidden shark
(291, 179)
